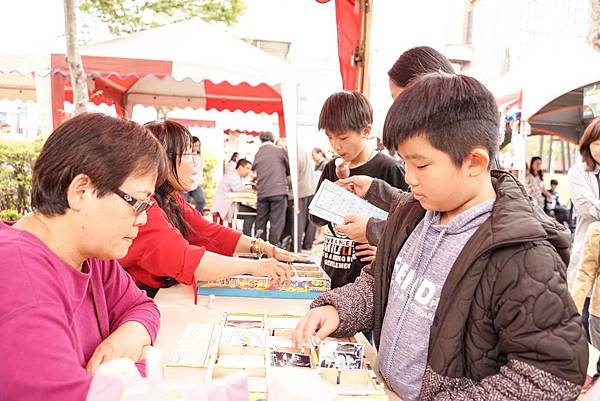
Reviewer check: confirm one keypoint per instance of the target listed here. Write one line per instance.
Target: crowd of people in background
(346, 119)
(465, 293)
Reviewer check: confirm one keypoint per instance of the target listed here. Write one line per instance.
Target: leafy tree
(16, 166)
(127, 16)
(209, 184)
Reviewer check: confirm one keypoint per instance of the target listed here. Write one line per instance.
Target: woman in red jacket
(178, 244)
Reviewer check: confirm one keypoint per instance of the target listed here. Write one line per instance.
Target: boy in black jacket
(346, 118)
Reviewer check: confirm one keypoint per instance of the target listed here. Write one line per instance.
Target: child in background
(553, 207)
(346, 118)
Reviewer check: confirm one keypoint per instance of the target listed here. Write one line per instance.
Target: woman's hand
(355, 227)
(279, 272)
(357, 184)
(284, 256)
(366, 252)
(127, 341)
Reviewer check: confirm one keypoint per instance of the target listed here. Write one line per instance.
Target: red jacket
(161, 251)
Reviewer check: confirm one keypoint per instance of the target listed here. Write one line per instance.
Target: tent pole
(550, 155)
(562, 155)
(524, 130)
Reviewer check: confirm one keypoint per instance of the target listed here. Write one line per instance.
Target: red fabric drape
(348, 32)
(348, 27)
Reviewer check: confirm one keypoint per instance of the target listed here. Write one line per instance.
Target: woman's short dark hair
(454, 112)
(591, 134)
(539, 173)
(417, 61)
(234, 156)
(176, 140)
(345, 111)
(106, 149)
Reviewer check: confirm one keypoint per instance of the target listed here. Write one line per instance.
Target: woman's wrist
(260, 247)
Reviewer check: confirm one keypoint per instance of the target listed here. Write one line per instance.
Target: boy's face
(553, 186)
(435, 181)
(348, 144)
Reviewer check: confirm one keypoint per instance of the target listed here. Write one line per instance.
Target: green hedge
(209, 184)
(16, 164)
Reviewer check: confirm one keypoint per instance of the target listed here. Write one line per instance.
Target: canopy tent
(242, 132)
(549, 90)
(353, 20)
(159, 67)
(188, 64)
(163, 67)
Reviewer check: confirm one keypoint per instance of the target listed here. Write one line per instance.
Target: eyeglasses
(138, 206)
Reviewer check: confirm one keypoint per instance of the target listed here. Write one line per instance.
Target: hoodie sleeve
(517, 381)
(383, 195)
(374, 230)
(354, 303)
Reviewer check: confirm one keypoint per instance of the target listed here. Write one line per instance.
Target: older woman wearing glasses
(66, 305)
(178, 244)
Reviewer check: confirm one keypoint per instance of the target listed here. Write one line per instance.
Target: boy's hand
(355, 228)
(367, 252)
(357, 184)
(319, 323)
(128, 341)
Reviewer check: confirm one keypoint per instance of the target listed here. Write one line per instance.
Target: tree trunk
(78, 77)
(594, 32)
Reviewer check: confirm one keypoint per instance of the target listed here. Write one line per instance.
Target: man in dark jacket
(272, 168)
(467, 296)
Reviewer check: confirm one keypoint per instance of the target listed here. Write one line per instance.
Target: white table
(238, 198)
(176, 305)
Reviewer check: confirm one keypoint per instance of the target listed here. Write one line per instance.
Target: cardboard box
(308, 281)
(239, 348)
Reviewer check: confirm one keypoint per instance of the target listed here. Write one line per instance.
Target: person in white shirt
(232, 163)
(197, 194)
(231, 182)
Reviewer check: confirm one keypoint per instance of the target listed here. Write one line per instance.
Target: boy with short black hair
(467, 296)
(346, 118)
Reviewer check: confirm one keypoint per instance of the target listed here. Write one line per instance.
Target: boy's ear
(366, 132)
(479, 160)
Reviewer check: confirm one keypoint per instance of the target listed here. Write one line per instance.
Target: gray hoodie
(420, 272)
